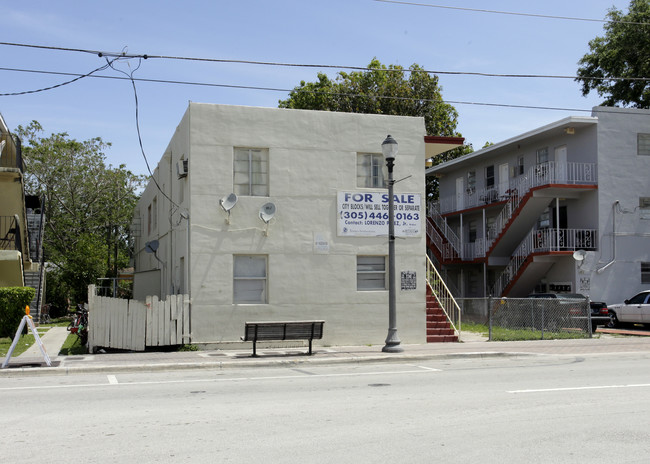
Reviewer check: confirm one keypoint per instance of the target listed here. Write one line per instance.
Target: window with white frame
(251, 172)
(645, 273)
(520, 166)
(542, 155)
(489, 177)
(250, 279)
(643, 144)
(644, 207)
(471, 182)
(371, 273)
(371, 170)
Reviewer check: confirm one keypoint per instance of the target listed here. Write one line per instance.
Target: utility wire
(79, 77)
(129, 76)
(512, 13)
(322, 66)
(273, 89)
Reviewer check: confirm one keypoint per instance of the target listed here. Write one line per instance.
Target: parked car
(599, 310)
(636, 310)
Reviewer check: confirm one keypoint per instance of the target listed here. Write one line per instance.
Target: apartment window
(152, 216)
(154, 213)
(644, 207)
(370, 170)
(489, 177)
(643, 144)
(645, 273)
(471, 182)
(251, 172)
(542, 155)
(249, 279)
(520, 166)
(371, 273)
(472, 231)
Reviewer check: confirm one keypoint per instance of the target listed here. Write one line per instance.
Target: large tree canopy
(379, 90)
(88, 204)
(384, 90)
(624, 52)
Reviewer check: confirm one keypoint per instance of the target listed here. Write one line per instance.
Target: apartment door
(561, 164)
(460, 193)
(504, 181)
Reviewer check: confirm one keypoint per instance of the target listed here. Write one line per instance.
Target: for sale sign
(365, 214)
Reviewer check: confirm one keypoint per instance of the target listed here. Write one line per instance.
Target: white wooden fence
(134, 325)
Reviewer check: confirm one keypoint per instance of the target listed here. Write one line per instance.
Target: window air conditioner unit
(181, 168)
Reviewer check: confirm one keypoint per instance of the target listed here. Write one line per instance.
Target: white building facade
(564, 208)
(305, 235)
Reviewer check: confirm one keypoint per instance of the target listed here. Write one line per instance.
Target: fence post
(490, 317)
(589, 326)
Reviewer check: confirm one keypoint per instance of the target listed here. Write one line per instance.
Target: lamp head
(389, 148)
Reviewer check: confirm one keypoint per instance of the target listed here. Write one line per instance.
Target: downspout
(602, 269)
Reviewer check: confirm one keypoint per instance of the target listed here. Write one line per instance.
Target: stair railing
(540, 241)
(449, 235)
(443, 295)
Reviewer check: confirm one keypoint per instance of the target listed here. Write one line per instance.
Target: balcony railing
(539, 175)
(10, 153)
(10, 233)
(544, 241)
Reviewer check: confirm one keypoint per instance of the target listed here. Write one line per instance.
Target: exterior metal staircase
(442, 311)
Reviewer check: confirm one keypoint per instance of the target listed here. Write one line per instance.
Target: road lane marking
(112, 380)
(595, 387)
(421, 370)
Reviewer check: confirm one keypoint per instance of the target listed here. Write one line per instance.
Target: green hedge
(12, 308)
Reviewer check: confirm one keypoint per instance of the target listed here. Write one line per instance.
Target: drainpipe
(602, 269)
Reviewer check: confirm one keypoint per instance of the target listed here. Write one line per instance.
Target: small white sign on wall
(321, 244)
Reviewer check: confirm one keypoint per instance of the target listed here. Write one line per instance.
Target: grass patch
(500, 334)
(24, 342)
(72, 346)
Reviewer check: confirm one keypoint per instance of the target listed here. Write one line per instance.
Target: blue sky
(335, 32)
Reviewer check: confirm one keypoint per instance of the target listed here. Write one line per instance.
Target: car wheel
(613, 320)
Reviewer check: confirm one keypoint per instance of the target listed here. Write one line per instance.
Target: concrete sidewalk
(472, 346)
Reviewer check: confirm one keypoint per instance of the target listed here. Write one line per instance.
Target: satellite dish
(227, 203)
(579, 255)
(267, 211)
(152, 246)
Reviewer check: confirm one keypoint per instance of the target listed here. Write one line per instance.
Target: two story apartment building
(21, 223)
(277, 214)
(561, 208)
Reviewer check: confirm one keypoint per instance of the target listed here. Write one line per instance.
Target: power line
(273, 89)
(129, 76)
(323, 66)
(512, 13)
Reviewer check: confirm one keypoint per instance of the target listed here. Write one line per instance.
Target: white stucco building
(512, 215)
(323, 253)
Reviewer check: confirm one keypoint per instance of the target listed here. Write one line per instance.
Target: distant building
(562, 208)
(305, 234)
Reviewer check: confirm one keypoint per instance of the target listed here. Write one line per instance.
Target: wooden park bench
(282, 330)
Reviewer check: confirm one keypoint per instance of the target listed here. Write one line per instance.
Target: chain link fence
(543, 318)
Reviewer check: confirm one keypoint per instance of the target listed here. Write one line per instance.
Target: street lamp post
(389, 149)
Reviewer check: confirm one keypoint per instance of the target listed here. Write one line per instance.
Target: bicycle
(79, 324)
(44, 317)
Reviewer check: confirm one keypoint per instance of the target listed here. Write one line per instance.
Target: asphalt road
(532, 409)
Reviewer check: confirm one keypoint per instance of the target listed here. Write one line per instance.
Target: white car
(636, 310)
